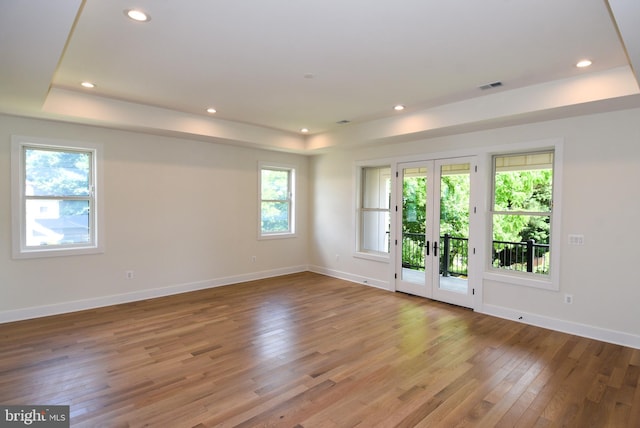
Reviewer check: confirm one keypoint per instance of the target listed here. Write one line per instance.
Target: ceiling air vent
(343, 122)
(490, 85)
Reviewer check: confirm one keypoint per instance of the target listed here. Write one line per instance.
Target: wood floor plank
(306, 350)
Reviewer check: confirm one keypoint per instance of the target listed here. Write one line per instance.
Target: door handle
(427, 247)
(435, 248)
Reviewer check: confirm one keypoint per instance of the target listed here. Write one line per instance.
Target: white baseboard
(584, 330)
(578, 329)
(372, 282)
(80, 305)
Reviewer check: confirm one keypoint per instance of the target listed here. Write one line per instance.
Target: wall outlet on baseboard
(129, 274)
(568, 299)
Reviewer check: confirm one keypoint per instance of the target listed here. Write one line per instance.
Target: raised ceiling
(270, 68)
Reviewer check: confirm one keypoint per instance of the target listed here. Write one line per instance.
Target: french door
(432, 247)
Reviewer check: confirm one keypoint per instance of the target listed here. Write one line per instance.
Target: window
(277, 185)
(55, 205)
(374, 219)
(522, 214)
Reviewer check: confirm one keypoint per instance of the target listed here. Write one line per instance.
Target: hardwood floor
(307, 350)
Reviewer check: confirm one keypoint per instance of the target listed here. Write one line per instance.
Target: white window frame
(360, 251)
(547, 282)
(291, 232)
(20, 249)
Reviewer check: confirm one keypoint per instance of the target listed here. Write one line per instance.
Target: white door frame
(430, 288)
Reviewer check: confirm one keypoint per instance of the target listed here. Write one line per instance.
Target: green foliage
(274, 209)
(454, 205)
(60, 174)
(414, 205)
(275, 217)
(524, 191)
(454, 214)
(275, 185)
(517, 193)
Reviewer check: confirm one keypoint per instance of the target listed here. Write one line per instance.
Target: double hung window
(55, 198)
(277, 210)
(522, 212)
(374, 215)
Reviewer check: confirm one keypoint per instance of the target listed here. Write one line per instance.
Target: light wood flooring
(306, 350)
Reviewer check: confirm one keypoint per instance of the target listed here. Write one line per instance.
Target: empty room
(319, 213)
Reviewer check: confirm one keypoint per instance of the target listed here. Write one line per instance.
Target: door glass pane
(454, 227)
(414, 221)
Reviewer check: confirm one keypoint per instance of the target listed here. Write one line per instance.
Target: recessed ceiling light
(304, 130)
(583, 63)
(137, 15)
(398, 107)
(88, 85)
(211, 110)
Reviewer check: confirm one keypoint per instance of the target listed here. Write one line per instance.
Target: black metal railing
(454, 254)
(413, 250)
(525, 256)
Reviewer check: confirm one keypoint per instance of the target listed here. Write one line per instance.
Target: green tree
(454, 205)
(454, 213)
(414, 204)
(522, 191)
(275, 200)
(59, 173)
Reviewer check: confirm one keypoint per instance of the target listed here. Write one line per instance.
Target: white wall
(601, 199)
(181, 214)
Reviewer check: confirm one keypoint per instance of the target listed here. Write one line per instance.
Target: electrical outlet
(337, 257)
(568, 299)
(253, 259)
(129, 274)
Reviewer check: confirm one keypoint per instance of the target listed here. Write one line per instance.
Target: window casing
(373, 211)
(522, 239)
(277, 208)
(55, 206)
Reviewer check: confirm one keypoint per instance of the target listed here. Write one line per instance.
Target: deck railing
(454, 254)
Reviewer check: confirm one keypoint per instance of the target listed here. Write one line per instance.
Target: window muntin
(522, 209)
(55, 199)
(276, 201)
(374, 215)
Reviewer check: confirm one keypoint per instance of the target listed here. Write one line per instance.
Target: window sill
(277, 236)
(57, 252)
(376, 257)
(522, 280)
